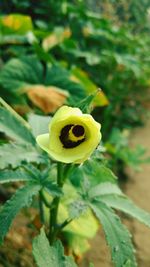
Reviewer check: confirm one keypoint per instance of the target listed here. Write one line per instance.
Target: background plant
(48, 60)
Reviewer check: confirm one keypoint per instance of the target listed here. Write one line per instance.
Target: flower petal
(53, 144)
(43, 141)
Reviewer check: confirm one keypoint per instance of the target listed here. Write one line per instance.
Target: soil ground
(138, 189)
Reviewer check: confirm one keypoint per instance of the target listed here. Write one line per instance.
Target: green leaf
(56, 37)
(104, 189)
(19, 74)
(85, 104)
(22, 198)
(12, 38)
(46, 255)
(124, 204)
(77, 208)
(93, 173)
(59, 77)
(14, 176)
(13, 125)
(12, 23)
(100, 98)
(117, 236)
(98, 173)
(77, 244)
(16, 73)
(39, 123)
(23, 153)
(52, 188)
(127, 264)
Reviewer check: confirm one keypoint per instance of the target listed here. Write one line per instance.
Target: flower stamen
(72, 135)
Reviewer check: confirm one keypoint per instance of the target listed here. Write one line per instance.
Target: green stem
(46, 202)
(41, 207)
(65, 223)
(55, 205)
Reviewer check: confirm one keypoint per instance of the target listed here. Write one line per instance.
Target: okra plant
(62, 167)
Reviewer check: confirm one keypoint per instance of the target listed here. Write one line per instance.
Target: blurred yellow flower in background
(72, 137)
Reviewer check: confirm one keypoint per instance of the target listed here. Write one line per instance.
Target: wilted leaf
(56, 37)
(17, 23)
(19, 74)
(48, 99)
(60, 77)
(80, 76)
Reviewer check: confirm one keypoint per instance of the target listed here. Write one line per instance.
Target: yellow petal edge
(51, 143)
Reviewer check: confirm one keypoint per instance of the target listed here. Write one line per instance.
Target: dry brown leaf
(37, 222)
(21, 109)
(47, 98)
(56, 38)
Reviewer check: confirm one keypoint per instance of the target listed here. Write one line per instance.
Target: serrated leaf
(7, 176)
(46, 255)
(117, 236)
(12, 125)
(104, 189)
(125, 205)
(22, 198)
(23, 153)
(98, 173)
(94, 173)
(77, 208)
(52, 188)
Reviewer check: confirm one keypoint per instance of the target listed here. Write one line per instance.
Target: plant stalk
(41, 207)
(55, 205)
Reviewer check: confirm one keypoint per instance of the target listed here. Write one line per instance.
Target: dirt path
(138, 189)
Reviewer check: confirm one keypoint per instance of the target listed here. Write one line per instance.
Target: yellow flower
(72, 136)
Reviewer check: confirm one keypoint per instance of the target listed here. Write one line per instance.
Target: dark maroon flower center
(77, 130)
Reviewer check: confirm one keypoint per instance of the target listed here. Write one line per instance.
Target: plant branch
(46, 202)
(41, 207)
(55, 205)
